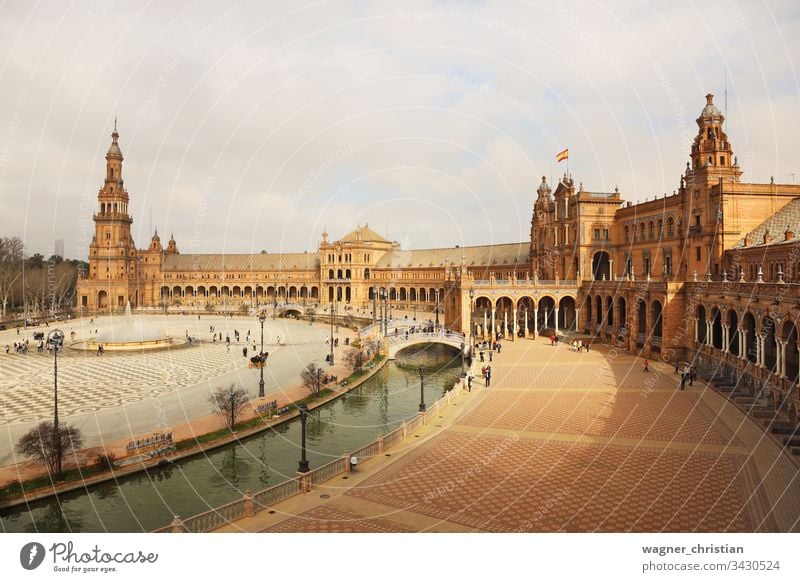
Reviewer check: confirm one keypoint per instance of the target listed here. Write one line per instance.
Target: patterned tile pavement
(574, 442)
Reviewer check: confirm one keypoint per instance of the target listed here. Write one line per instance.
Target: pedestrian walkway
(564, 441)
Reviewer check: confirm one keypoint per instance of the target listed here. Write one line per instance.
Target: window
(605, 233)
(647, 265)
(697, 253)
(660, 228)
(722, 160)
(642, 233)
(596, 233)
(670, 225)
(627, 234)
(697, 220)
(651, 229)
(668, 265)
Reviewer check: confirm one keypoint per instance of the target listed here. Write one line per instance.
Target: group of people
(579, 345)
(689, 372)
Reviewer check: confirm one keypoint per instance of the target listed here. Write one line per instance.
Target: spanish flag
(561, 156)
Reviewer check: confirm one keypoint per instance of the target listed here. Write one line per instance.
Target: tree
(44, 445)
(374, 346)
(229, 402)
(355, 358)
(10, 268)
(310, 376)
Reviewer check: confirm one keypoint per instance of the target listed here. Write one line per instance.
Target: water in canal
(146, 501)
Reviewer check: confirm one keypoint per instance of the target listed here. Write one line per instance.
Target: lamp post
(463, 373)
(384, 322)
(374, 309)
(56, 338)
(303, 465)
(471, 324)
(330, 361)
(436, 327)
(261, 318)
(335, 308)
(422, 388)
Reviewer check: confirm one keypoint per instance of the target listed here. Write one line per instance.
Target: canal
(148, 500)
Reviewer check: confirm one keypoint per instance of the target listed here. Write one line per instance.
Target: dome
(114, 151)
(710, 110)
(543, 187)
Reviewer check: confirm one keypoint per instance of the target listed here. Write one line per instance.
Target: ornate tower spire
(712, 155)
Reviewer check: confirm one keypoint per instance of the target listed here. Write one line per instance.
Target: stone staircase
(776, 422)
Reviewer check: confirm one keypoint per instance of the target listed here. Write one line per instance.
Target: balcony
(695, 230)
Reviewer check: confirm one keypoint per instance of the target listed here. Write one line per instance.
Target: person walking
(683, 380)
(481, 354)
(677, 366)
(490, 356)
(469, 381)
(646, 365)
(488, 375)
(692, 375)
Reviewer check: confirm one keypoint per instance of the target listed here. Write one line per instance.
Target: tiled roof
(509, 255)
(239, 262)
(787, 217)
(363, 234)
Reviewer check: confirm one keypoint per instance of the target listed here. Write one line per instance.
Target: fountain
(129, 333)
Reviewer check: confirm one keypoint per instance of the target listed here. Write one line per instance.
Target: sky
(250, 126)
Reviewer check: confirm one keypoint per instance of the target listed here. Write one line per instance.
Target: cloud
(255, 125)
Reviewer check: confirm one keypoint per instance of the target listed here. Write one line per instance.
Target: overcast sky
(256, 125)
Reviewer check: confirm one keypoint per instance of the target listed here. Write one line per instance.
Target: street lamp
(303, 466)
(422, 388)
(471, 324)
(463, 373)
(436, 327)
(261, 318)
(374, 310)
(56, 339)
(335, 306)
(331, 358)
(384, 323)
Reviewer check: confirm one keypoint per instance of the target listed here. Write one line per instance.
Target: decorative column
(505, 323)
(484, 324)
(709, 339)
(516, 325)
(742, 343)
(577, 311)
(492, 335)
(759, 350)
(610, 271)
(556, 311)
(535, 322)
(725, 341)
(696, 329)
(526, 323)
(781, 345)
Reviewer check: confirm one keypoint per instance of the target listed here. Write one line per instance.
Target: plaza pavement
(118, 397)
(564, 441)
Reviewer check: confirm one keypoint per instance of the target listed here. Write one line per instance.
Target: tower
(712, 156)
(112, 253)
(541, 229)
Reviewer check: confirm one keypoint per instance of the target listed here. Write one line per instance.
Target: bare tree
(355, 358)
(374, 346)
(43, 444)
(229, 402)
(10, 268)
(311, 377)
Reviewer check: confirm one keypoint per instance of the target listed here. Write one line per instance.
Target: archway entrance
(601, 266)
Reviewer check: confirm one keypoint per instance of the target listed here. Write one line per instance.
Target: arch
(525, 313)
(700, 314)
(392, 294)
(189, 291)
(716, 328)
(248, 291)
(304, 292)
(546, 313)
(226, 292)
(271, 293)
(330, 273)
(292, 292)
(670, 227)
(610, 311)
(432, 295)
(164, 293)
(339, 294)
(338, 273)
(504, 315)
(201, 291)
(651, 230)
(601, 266)
(102, 299)
(656, 315)
(622, 312)
(314, 292)
(598, 310)
(566, 313)
(733, 327)
(259, 291)
(403, 296)
(412, 294)
(641, 229)
(789, 334)
(641, 313)
(330, 294)
(176, 291)
(749, 328)
(213, 291)
(423, 294)
(236, 291)
(347, 274)
(770, 351)
(347, 294)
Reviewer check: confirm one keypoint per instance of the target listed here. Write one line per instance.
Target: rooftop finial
(115, 123)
